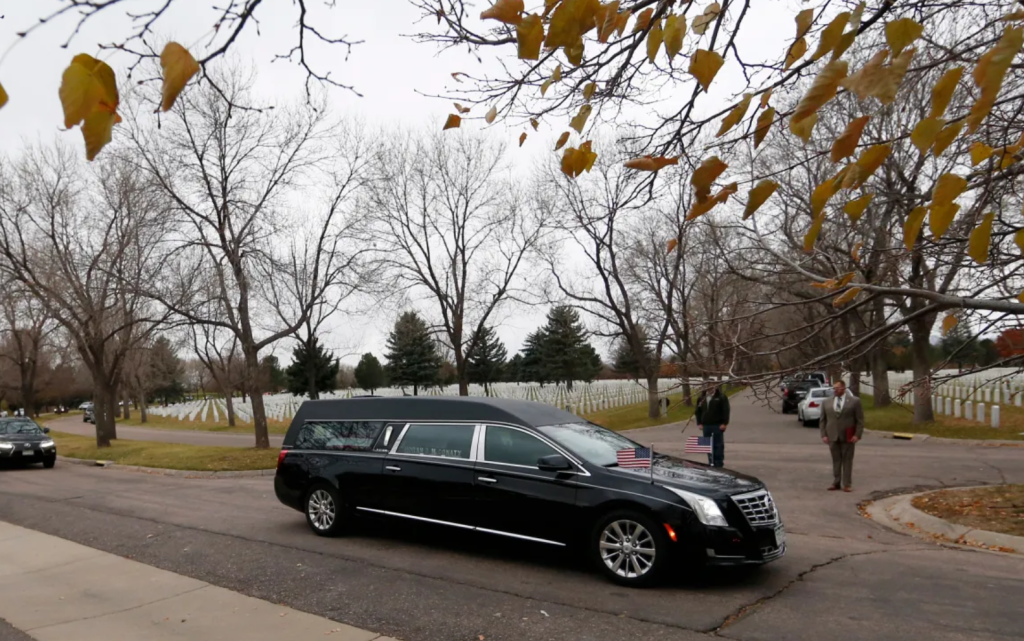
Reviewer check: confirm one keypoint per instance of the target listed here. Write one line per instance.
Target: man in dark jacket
(713, 417)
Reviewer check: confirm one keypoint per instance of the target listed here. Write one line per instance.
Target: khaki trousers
(842, 462)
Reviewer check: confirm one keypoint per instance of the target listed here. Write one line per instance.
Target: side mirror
(46, 430)
(553, 463)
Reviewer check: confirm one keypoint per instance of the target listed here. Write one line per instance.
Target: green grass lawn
(171, 423)
(631, 417)
(897, 418)
(170, 456)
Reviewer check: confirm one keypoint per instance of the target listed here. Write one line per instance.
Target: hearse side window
(346, 436)
(387, 437)
(514, 447)
(452, 441)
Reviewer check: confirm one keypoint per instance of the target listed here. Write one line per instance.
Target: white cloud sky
(390, 71)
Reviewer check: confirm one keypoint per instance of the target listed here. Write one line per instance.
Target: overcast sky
(390, 71)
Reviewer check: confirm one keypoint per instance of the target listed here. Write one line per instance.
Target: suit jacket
(835, 426)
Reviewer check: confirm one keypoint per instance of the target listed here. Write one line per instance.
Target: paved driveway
(75, 425)
(843, 578)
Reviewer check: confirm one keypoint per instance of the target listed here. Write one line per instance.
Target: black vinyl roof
(434, 408)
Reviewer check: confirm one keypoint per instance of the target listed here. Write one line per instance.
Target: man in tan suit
(842, 425)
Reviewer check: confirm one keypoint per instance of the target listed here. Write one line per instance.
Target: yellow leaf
(651, 163)
(845, 42)
(812, 233)
(699, 208)
(643, 20)
(564, 138)
(946, 137)
(1020, 298)
(579, 121)
(941, 217)
(87, 83)
(764, 123)
(846, 296)
(902, 33)
(980, 152)
(989, 73)
(492, 113)
(179, 66)
(570, 20)
(948, 323)
(588, 91)
(765, 97)
(462, 110)
(1007, 156)
(821, 195)
(672, 243)
(845, 145)
(868, 77)
(822, 90)
(758, 195)
(924, 134)
(576, 161)
(675, 29)
(701, 22)
(545, 86)
(734, 117)
(828, 284)
(981, 236)
(948, 188)
(529, 36)
(912, 226)
(534, 123)
(556, 75)
(858, 13)
(97, 130)
(831, 34)
(1018, 238)
(704, 66)
(795, 52)
(453, 122)
(507, 11)
(803, 128)
(654, 39)
(855, 252)
(3, 97)
(607, 20)
(943, 90)
(870, 160)
(855, 208)
(620, 22)
(522, 138)
(1013, 16)
(892, 77)
(803, 22)
(705, 175)
(848, 176)
(845, 280)
(575, 53)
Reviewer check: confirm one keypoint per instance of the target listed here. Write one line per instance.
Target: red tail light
(280, 458)
(812, 404)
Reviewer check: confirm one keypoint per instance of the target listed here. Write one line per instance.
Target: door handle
(393, 468)
(486, 479)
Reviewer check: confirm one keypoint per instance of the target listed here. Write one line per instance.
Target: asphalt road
(75, 425)
(844, 576)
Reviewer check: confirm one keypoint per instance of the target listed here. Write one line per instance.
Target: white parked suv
(808, 412)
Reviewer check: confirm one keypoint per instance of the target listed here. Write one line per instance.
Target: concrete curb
(954, 441)
(898, 513)
(189, 474)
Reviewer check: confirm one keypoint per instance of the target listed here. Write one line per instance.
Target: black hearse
(522, 470)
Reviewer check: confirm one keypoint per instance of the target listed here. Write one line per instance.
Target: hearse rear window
(452, 441)
(347, 436)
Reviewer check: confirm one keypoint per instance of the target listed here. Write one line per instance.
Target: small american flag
(634, 457)
(698, 445)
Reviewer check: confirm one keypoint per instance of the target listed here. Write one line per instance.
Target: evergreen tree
(624, 360)
(313, 370)
(514, 369)
(532, 367)
(370, 373)
(960, 346)
(412, 355)
(166, 371)
(566, 356)
(274, 378)
(487, 359)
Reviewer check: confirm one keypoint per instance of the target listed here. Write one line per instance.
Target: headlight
(6, 446)
(707, 510)
(47, 443)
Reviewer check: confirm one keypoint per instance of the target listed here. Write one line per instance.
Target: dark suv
(22, 441)
(521, 470)
(795, 392)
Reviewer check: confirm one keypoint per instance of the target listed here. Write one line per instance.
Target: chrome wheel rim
(321, 509)
(627, 549)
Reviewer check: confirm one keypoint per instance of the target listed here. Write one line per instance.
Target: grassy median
(997, 509)
(634, 416)
(171, 456)
(897, 418)
(172, 423)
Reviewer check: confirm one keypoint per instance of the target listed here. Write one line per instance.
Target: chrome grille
(769, 553)
(758, 507)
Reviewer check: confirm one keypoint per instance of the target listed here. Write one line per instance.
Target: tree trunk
(855, 381)
(920, 334)
(126, 409)
(653, 406)
(230, 405)
(311, 354)
(880, 379)
(259, 412)
(103, 414)
(143, 416)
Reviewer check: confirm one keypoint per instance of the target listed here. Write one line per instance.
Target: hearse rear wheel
(325, 512)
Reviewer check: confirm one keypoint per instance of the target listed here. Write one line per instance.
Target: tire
(622, 568)
(48, 463)
(324, 511)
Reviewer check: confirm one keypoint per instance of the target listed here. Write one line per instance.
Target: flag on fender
(634, 457)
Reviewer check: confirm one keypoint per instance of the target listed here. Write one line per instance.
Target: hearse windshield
(594, 443)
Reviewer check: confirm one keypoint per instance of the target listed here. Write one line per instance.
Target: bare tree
(449, 227)
(81, 243)
(27, 332)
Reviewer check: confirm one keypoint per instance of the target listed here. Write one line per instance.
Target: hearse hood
(699, 478)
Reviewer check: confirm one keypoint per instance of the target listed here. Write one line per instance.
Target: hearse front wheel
(630, 548)
(324, 510)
